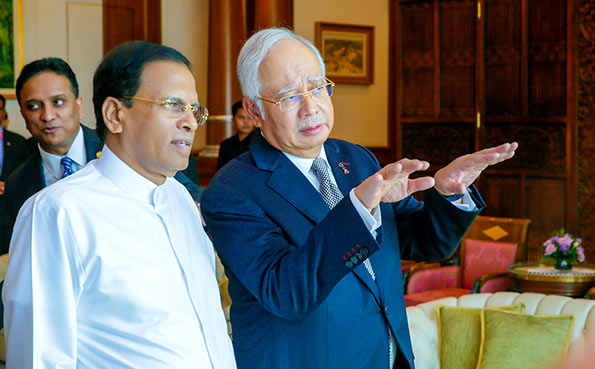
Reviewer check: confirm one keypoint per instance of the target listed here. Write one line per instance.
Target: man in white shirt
(110, 267)
(48, 95)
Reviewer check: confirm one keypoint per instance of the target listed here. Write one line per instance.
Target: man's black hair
(55, 65)
(119, 74)
(235, 107)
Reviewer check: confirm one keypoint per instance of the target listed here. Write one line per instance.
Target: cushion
(484, 257)
(459, 334)
(514, 340)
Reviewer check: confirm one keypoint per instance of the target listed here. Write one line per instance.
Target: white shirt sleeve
(40, 291)
(467, 203)
(372, 219)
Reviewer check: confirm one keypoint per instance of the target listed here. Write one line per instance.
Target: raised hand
(464, 170)
(392, 183)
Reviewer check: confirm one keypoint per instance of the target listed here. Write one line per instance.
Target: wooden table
(540, 278)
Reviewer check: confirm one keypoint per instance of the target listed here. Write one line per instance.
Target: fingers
(420, 184)
(403, 168)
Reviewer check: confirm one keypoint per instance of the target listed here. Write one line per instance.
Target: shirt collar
(124, 177)
(76, 152)
(304, 164)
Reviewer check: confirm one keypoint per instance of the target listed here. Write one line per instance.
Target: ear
(79, 102)
(252, 110)
(112, 114)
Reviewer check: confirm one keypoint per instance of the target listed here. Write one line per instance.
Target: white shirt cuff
(371, 219)
(467, 203)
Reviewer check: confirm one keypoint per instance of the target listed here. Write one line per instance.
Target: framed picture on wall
(348, 52)
(11, 45)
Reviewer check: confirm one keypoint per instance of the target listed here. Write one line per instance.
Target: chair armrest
(481, 281)
(590, 295)
(415, 268)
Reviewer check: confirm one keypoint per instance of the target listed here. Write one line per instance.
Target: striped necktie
(67, 164)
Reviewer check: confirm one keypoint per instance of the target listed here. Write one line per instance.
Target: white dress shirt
(52, 167)
(109, 270)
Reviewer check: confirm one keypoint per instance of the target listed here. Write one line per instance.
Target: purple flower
(550, 248)
(581, 254)
(565, 242)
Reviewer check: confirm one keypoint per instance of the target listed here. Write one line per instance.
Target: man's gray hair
(255, 50)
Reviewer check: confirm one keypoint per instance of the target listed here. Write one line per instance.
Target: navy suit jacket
(16, 152)
(301, 296)
(28, 179)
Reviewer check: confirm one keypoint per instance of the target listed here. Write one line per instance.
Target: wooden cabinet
(472, 74)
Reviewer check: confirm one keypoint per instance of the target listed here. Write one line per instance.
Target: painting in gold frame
(348, 52)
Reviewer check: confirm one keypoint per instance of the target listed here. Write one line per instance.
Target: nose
(309, 105)
(187, 121)
(48, 114)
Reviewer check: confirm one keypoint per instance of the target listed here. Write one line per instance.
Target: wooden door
(128, 20)
(473, 74)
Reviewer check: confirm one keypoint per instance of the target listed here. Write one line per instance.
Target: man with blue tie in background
(311, 230)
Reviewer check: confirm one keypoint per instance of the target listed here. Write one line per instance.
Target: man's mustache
(311, 121)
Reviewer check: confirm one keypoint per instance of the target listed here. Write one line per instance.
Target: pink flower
(550, 248)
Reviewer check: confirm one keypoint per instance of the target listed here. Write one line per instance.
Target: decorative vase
(563, 264)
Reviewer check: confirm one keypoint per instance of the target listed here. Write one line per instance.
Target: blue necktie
(67, 164)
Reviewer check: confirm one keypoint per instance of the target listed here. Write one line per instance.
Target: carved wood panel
(541, 146)
(547, 57)
(515, 63)
(586, 126)
(418, 60)
(503, 58)
(455, 139)
(457, 59)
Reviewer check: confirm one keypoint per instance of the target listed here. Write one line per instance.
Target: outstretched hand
(464, 170)
(392, 183)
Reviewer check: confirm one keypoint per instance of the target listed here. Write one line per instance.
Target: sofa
(423, 324)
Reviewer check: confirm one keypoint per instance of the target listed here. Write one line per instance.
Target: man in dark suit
(240, 142)
(47, 92)
(13, 147)
(311, 230)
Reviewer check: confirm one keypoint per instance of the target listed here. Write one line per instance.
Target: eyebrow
(293, 88)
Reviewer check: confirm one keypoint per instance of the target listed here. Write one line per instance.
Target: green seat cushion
(519, 341)
(459, 334)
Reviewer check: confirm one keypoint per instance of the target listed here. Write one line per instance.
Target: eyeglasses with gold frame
(175, 108)
(294, 101)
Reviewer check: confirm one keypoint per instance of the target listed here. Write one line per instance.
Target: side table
(540, 278)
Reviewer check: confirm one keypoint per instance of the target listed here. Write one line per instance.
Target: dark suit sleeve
(286, 278)
(432, 230)
(191, 187)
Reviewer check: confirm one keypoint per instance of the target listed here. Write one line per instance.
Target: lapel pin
(98, 154)
(342, 166)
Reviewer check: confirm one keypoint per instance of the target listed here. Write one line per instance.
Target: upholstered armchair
(488, 247)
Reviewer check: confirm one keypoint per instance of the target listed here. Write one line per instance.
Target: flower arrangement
(563, 249)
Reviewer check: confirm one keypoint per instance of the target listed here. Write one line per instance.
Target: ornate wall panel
(457, 59)
(418, 61)
(541, 146)
(455, 139)
(503, 58)
(586, 125)
(547, 57)
(546, 215)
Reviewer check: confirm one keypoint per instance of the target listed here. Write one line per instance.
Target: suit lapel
(287, 180)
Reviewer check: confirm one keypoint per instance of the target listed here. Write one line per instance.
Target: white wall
(361, 111)
(72, 30)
